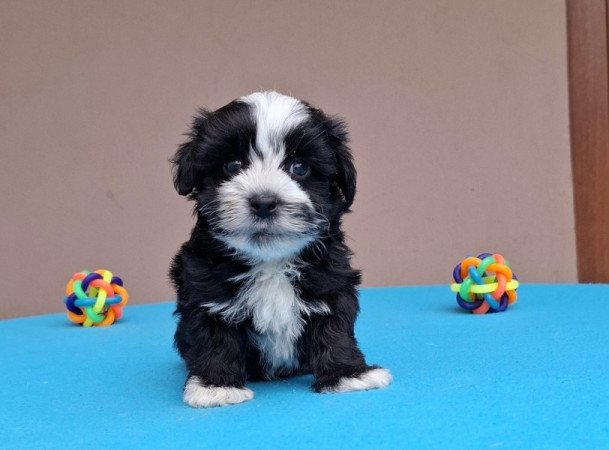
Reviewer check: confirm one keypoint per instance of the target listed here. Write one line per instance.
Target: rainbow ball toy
(484, 284)
(95, 299)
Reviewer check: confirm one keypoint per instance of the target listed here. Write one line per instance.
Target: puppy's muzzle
(264, 206)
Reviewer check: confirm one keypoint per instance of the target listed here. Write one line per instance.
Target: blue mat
(535, 376)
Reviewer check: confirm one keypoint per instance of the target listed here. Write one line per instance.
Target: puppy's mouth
(268, 234)
(265, 236)
(284, 234)
(268, 244)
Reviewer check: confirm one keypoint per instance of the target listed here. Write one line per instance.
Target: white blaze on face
(275, 116)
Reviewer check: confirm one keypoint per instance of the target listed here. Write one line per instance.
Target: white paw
(373, 379)
(199, 396)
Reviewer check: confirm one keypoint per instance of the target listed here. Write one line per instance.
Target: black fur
(220, 352)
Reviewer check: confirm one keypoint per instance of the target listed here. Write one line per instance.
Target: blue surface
(535, 376)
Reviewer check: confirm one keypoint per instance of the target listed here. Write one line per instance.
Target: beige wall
(458, 113)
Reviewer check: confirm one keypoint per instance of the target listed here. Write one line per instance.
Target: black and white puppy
(265, 287)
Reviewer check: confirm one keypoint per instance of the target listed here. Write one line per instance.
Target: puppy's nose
(263, 206)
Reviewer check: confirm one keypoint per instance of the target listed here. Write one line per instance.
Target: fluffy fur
(265, 287)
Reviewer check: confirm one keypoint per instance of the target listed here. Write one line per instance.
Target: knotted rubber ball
(484, 284)
(95, 298)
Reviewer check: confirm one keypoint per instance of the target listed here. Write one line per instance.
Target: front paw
(197, 395)
(373, 378)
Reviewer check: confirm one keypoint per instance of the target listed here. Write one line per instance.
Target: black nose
(263, 206)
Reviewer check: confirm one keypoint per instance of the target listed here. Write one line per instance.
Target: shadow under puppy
(265, 287)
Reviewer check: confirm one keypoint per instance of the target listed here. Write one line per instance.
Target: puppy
(264, 285)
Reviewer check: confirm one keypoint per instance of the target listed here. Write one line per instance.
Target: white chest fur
(269, 298)
(275, 309)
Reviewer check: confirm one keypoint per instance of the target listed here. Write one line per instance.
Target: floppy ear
(345, 170)
(184, 161)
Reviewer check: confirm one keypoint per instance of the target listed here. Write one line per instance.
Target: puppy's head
(269, 174)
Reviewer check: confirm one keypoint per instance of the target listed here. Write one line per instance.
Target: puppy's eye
(232, 167)
(299, 170)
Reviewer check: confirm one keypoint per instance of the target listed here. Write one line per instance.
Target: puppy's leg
(337, 362)
(199, 394)
(214, 355)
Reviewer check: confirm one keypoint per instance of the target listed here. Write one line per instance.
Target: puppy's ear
(345, 170)
(185, 160)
